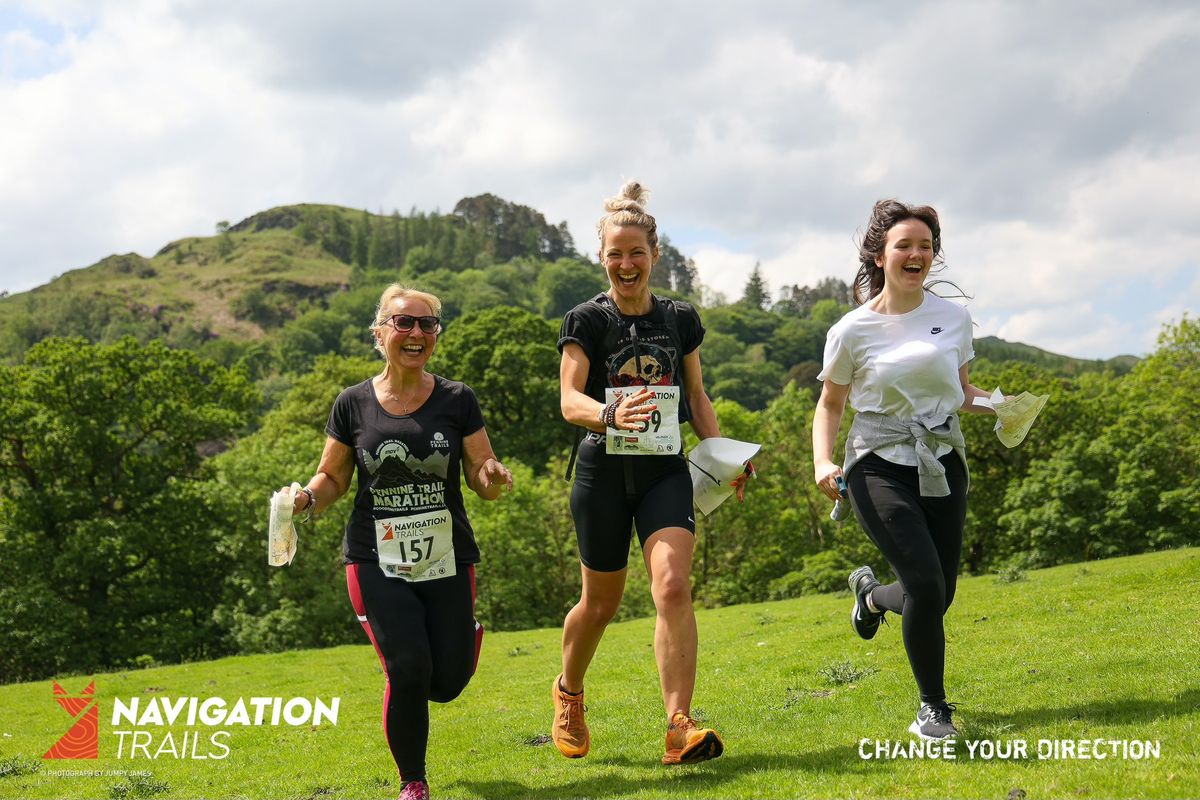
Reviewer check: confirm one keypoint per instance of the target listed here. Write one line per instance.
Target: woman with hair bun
(900, 358)
(630, 374)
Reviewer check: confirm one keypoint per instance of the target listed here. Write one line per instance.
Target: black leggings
(427, 639)
(921, 538)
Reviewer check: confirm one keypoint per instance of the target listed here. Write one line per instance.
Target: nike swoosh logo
(935, 331)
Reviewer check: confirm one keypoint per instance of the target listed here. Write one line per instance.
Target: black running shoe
(864, 620)
(933, 721)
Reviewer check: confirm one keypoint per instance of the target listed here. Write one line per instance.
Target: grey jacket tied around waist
(872, 430)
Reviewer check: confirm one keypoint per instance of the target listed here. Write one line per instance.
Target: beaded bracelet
(610, 415)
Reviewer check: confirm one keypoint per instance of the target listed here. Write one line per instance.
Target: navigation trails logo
(151, 727)
(82, 740)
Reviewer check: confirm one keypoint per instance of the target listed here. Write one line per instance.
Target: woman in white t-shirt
(900, 358)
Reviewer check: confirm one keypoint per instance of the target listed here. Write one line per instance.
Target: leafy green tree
(743, 549)
(529, 574)
(421, 259)
(110, 551)
(799, 300)
(477, 293)
(564, 284)
(508, 356)
(747, 325)
(997, 470)
(1056, 512)
(797, 339)
(751, 383)
(263, 609)
(1123, 479)
(720, 348)
(1157, 504)
(804, 377)
(514, 230)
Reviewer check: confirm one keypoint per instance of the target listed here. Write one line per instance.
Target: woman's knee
(445, 688)
(671, 590)
(927, 592)
(597, 611)
(408, 668)
(951, 586)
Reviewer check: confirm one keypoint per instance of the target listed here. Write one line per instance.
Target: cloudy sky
(1060, 141)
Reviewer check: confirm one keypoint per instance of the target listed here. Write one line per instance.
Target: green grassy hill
(996, 349)
(1103, 650)
(244, 283)
(198, 281)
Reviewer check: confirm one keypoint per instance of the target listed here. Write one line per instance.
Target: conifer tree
(756, 295)
(362, 240)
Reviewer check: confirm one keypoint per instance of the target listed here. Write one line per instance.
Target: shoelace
(686, 724)
(940, 714)
(573, 710)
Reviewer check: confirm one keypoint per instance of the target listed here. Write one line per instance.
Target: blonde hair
(628, 208)
(398, 292)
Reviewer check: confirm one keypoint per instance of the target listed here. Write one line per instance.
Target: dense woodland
(149, 406)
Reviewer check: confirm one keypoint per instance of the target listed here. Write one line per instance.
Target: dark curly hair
(884, 216)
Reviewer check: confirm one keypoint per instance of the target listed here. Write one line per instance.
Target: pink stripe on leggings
(361, 612)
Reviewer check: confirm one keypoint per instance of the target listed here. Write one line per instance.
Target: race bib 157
(419, 547)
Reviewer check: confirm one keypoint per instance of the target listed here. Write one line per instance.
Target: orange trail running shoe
(688, 744)
(570, 730)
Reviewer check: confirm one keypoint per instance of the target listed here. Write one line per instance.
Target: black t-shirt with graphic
(407, 464)
(660, 360)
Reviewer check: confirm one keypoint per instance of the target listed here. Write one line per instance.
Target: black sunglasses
(405, 322)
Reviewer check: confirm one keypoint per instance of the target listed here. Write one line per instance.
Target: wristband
(311, 506)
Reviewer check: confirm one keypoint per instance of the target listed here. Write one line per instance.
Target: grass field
(1106, 650)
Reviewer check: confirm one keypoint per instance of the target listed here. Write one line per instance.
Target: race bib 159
(659, 435)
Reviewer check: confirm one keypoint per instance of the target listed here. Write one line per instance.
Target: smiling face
(907, 255)
(628, 259)
(408, 349)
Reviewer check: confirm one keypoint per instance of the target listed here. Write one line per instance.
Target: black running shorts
(613, 494)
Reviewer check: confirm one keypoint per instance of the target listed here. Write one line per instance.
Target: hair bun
(633, 197)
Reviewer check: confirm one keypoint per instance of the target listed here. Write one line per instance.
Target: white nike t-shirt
(905, 365)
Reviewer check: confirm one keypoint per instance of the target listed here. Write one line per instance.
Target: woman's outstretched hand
(493, 472)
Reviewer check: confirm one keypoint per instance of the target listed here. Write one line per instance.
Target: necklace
(394, 395)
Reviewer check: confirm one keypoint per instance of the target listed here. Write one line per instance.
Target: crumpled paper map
(281, 535)
(713, 464)
(1015, 416)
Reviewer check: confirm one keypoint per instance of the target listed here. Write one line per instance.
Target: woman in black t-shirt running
(645, 350)
(409, 549)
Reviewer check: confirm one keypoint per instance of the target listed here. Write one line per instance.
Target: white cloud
(1069, 329)
(1107, 66)
(478, 119)
(1061, 148)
